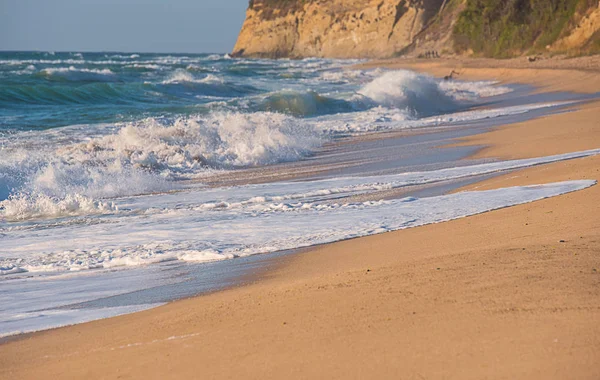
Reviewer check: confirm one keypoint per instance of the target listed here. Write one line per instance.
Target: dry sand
(496, 295)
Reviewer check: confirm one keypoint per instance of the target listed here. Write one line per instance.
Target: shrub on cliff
(505, 28)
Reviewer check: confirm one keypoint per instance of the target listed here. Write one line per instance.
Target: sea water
(121, 174)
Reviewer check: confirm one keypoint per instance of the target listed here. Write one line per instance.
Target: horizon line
(105, 51)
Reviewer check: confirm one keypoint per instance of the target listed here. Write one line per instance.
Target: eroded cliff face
(332, 28)
(384, 28)
(583, 36)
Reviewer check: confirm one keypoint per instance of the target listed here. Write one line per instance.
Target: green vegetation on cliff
(505, 28)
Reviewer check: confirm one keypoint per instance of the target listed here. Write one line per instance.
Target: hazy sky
(121, 25)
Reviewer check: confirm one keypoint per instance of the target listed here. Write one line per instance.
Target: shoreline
(321, 274)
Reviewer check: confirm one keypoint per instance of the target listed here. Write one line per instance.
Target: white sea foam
(463, 90)
(188, 234)
(307, 194)
(394, 100)
(43, 199)
(57, 184)
(396, 88)
(380, 119)
(226, 223)
(213, 57)
(12, 269)
(70, 61)
(145, 66)
(218, 140)
(350, 76)
(30, 69)
(183, 76)
(180, 76)
(121, 56)
(403, 89)
(210, 78)
(30, 206)
(41, 302)
(80, 74)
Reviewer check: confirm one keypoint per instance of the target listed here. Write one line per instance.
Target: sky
(173, 26)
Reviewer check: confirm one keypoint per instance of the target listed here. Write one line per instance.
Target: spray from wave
(147, 156)
(420, 94)
(217, 141)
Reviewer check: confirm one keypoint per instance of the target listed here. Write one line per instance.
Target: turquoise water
(83, 123)
(40, 90)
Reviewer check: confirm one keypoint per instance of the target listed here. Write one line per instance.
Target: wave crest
(183, 76)
(304, 104)
(79, 75)
(220, 140)
(418, 93)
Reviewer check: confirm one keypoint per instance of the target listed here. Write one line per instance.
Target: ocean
(129, 180)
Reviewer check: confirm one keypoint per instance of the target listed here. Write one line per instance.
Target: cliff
(333, 28)
(385, 28)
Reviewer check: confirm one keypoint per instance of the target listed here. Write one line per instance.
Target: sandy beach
(509, 294)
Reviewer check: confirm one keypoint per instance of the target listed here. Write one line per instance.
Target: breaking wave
(209, 85)
(182, 76)
(305, 104)
(420, 94)
(34, 206)
(415, 94)
(79, 75)
(216, 141)
(144, 157)
(52, 187)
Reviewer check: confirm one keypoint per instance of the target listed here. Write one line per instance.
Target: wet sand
(511, 293)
